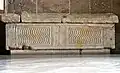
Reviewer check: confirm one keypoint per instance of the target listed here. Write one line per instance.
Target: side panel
(109, 37)
(10, 35)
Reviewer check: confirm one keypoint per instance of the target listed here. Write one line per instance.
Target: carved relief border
(36, 35)
(89, 40)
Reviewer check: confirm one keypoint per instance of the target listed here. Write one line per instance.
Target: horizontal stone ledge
(60, 24)
(93, 18)
(62, 52)
(10, 17)
(73, 18)
(42, 17)
(104, 18)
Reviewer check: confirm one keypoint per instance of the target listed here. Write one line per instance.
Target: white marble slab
(60, 64)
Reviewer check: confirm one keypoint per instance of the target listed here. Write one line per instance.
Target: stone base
(60, 52)
(5, 52)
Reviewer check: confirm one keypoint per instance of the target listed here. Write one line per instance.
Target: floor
(60, 64)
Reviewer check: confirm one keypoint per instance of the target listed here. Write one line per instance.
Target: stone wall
(61, 6)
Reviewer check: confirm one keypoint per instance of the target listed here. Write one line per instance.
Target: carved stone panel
(18, 6)
(101, 6)
(60, 6)
(38, 6)
(10, 35)
(56, 6)
(33, 6)
(79, 6)
(29, 6)
(84, 36)
(109, 37)
(33, 35)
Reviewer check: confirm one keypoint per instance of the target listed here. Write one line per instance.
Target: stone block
(25, 5)
(10, 17)
(79, 6)
(42, 17)
(29, 6)
(93, 18)
(101, 6)
(56, 6)
(13, 6)
(40, 6)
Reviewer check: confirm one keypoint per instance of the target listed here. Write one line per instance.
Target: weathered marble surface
(101, 6)
(56, 6)
(61, 17)
(80, 6)
(60, 35)
(10, 17)
(59, 52)
(82, 18)
(93, 18)
(60, 64)
(42, 17)
(49, 6)
(61, 6)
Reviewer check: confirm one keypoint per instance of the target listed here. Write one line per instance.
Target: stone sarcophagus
(61, 31)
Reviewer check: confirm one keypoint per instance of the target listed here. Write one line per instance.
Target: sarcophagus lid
(61, 17)
(10, 17)
(93, 18)
(42, 17)
(74, 18)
